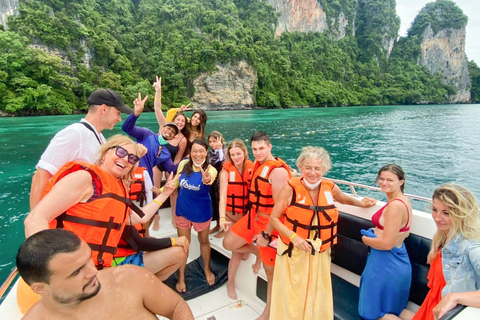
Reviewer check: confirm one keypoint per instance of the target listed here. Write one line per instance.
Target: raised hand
(139, 104)
(206, 175)
(158, 86)
(170, 184)
(142, 150)
(185, 108)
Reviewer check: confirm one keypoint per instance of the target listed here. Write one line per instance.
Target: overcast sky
(408, 9)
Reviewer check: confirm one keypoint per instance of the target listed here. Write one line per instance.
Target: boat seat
(351, 253)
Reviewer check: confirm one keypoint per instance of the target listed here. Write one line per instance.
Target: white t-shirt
(75, 142)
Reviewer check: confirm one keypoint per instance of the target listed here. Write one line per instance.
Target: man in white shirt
(79, 141)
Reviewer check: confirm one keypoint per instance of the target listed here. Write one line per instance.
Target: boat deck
(216, 305)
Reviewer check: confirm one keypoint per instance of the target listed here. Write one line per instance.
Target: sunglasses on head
(122, 153)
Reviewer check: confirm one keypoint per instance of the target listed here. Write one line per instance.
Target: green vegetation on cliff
(441, 14)
(126, 43)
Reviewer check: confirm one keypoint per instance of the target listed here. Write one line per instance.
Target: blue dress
(385, 282)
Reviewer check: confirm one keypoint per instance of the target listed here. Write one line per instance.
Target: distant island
(230, 54)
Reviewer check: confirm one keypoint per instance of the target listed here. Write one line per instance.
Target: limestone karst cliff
(441, 26)
(227, 86)
(310, 16)
(7, 8)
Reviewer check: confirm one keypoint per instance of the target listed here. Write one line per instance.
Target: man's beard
(76, 300)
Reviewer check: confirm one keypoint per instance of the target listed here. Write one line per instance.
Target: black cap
(109, 98)
(173, 125)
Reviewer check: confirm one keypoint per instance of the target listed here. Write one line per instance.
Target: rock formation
(307, 16)
(227, 86)
(444, 53)
(7, 8)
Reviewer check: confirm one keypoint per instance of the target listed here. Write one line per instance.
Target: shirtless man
(56, 264)
(270, 175)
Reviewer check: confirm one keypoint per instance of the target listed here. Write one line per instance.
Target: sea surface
(434, 144)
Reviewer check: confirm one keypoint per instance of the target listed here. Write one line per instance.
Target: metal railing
(6, 284)
(352, 186)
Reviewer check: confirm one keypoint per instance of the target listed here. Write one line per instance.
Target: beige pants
(302, 285)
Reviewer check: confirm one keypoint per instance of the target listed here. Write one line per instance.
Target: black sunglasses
(122, 153)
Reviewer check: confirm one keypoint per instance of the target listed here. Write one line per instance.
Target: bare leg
(221, 234)
(235, 243)
(205, 251)
(215, 229)
(173, 206)
(266, 311)
(156, 222)
(157, 179)
(389, 316)
(181, 286)
(232, 271)
(406, 314)
(164, 262)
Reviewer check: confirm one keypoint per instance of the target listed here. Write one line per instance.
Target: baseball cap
(109, 98)
(173, 125)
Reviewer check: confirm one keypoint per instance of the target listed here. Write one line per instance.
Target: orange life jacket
(300, 214)
(260, 194)
(237, 189)
(137, 187)
(127, 246)
(100, 221)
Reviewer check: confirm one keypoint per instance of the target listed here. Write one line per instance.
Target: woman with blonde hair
(234, 181)
(92, 200)
(306, 219)
(454, 276)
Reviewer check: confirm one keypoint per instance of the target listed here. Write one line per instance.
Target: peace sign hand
(158, 85)
(170, 184)
(139, 104)
(206, 175)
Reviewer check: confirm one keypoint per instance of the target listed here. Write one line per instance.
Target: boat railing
(6, 284)
(354, 185)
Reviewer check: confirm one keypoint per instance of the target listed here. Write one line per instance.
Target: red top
(378, 214)
(436, 283)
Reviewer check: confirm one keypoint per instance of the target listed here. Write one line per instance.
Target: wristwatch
(266, 236)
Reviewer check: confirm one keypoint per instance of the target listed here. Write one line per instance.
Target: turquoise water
(433, 144)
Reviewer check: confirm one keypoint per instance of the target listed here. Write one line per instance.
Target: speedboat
(348, 260)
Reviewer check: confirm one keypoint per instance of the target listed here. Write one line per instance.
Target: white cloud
(408, 9)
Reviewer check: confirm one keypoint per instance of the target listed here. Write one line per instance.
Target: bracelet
(223, 219)
(173, 242)
(293, 235)
(159, 99)
(157, 202)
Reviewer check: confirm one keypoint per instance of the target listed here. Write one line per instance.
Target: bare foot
(156, 222)
(215, 229)
(210, 277)
(180, 286)
(221, 234)
(263, 317)
(256, 266)
(232, 294)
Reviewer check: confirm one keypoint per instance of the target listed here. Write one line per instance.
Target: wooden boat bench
(351, 254)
